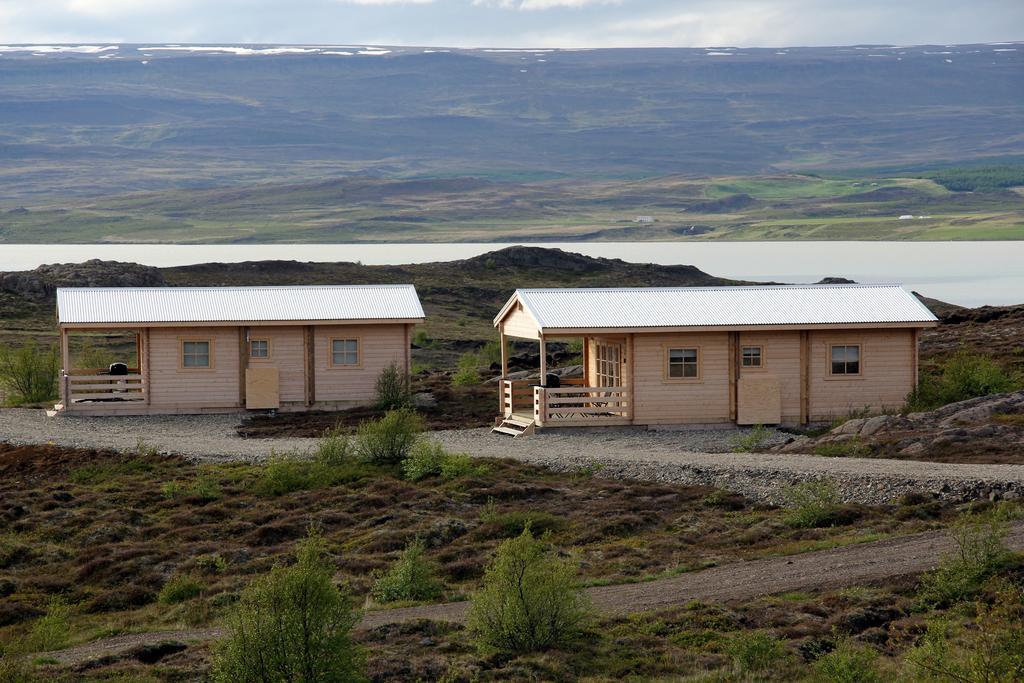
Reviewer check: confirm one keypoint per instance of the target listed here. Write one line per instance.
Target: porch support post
(143, 352)
(915, 354)
(65, 362)
(631, 383)
(543, 361)
(503, 340)
(586, 362)
(243, 362)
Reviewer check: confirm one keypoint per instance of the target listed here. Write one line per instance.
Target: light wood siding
(886, 377)
(379, 346)
(179, 389)
(661, 401)
(286, 354)
(518, 323)
(780, 358)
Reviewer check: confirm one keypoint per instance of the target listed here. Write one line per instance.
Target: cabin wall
(175, 388)
(887, 372)
(660, 400)
(780, 358)
(379, 346)
(288, 355)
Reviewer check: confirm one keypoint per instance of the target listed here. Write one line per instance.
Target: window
(751, 356)
(344, 352)
(846, 359)
(682, 364)
(195, 354)
(259, 348)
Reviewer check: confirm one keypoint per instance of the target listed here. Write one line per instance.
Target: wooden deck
(570, 405)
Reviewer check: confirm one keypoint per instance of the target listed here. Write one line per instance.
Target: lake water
(967, 273)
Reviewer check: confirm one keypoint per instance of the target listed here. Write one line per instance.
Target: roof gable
(140, 305)
(764, 305)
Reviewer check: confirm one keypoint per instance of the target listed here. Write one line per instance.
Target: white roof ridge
(691, 288)
(161, 288)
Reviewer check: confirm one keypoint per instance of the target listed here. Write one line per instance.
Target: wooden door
(608, 364)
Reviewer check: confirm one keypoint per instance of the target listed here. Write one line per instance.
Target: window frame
(760, 357)
(211, 346)
(345, 366)
(860, 360)
(265, 340)
(667, 364)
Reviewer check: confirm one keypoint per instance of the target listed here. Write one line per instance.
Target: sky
(515, 23)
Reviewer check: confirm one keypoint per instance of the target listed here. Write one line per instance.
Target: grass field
(459, 209)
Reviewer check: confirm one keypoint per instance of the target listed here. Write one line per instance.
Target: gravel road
(683, 456)
(825, 569)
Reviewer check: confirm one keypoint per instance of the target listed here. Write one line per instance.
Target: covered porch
(601, 397)
(103, 367)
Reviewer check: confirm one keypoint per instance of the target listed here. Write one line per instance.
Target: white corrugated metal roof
(110, 305)
(720, 306)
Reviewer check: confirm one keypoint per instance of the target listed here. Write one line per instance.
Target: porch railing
(571, 406)
(78, 388)
(517, 394)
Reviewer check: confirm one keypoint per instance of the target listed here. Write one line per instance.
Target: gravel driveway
(685, 456)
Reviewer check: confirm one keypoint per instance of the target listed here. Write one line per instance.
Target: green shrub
(203, 489)
(212, 563)
(392, 388)
(993, 650)
(979, 554)
(752, 441)
(29, 374)
(422, 339)
(754, 651)
(851, 448)
(848, 663)
(511, 524)
(529, 600)
(50, 631)
(93, 357)
(963, 375)
(429, 459)
(333, 448)
(468, 372)
(389, 439)
(289, 472)
(179, 588)
(292, 625)
(811, 504)
(412, 577)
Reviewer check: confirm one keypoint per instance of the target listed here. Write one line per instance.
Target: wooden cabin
(789, 354)
(223, 349)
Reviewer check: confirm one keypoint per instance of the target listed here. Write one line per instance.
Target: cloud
(385, 2)
(543, 4)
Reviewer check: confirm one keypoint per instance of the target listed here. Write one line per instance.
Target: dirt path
(847, 566)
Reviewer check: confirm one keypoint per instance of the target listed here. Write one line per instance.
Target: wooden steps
(514, 426)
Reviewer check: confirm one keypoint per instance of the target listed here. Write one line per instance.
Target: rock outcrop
(42, 283)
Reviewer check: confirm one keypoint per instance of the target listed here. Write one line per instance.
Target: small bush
(422, 339)
(529, 600)
(179, 588)
(389, 439)
(755, 651)
(963, 375)
(851, 448)
(468, 372)
(29, 374)
(754, 440)
(428, 459)
(50, 631)
(288, 472)
(848, 663)
(512, 524)
(412, 577)
(213, 563)
(812, 504)
(292, 625)
(392, 388)
(980, 552)
(333, 448)
(203, 489)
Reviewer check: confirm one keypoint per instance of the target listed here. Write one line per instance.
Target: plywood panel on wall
(261, 388)
(380, 345)
(659, 400)
(780, 359)
(758, 400)
(287, 355)
(180, 389)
